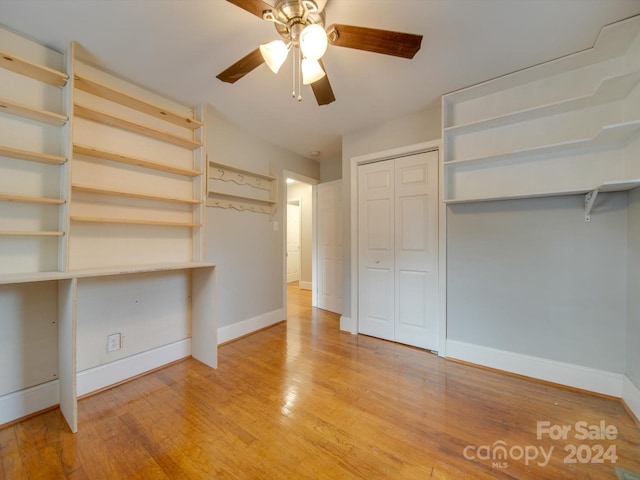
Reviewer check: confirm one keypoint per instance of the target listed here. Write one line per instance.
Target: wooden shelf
(131, 221)
(608, 135)
(220, 166)
(31, 156)
(118, 96)
(609, 90)
(109, 191)
(243, 198)
(13, 278)
(32, 70)
(99, 272)
(130, 160)
(240, 202)
(35, 233)
(25, 111)
(27, 199)
(135, 269)
(122, 123)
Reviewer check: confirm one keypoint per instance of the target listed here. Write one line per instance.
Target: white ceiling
(177, 47)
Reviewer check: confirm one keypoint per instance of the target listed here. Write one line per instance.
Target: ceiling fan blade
(257, 7)
(243, 66)
(322, 90)
(398, 44)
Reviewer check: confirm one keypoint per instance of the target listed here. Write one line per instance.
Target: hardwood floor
(303, 400)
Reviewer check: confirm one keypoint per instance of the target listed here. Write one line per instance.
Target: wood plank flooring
(302, 400)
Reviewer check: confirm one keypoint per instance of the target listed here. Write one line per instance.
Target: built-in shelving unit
(30, 192)
(561, 128)
(219, 197)
(128, 188)
(102, 186)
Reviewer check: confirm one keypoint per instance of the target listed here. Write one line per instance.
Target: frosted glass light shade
(274, 54)
(313, 41)
(311, 71)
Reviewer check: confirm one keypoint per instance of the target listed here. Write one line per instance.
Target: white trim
(351, 325)
(631, 396)
(348, 325)
(314, 245)
(111, 373)
(305, 285)
(245, 327)
(568, 374)
(30, 400)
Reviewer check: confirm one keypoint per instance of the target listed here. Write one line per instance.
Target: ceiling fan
(300, 23)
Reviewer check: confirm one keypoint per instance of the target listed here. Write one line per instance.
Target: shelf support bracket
(589, 200)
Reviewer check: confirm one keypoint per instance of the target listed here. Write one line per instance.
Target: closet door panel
(376, 250)
(416, 252)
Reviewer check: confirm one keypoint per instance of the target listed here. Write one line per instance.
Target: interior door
(329, 245)
(293, 242)
(416, 250)
(376, 250)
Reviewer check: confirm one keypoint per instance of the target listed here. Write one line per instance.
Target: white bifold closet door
(398, 250)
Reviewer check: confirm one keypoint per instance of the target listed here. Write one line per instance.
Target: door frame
(351, 324)
(283, 201)
(297, 202)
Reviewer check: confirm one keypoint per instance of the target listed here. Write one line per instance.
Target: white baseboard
(631, 396)
(577, 376)
(348, 325)
(245, 327)
(111, 373)
(305, 285)
(30, 400)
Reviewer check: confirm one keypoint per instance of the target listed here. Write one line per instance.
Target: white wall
(633, 286)
(331, 169)
(532, 277)
(419, 127)
(303, 192)
(247, 247)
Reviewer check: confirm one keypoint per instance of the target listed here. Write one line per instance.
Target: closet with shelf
(102, 197)
(566, 127)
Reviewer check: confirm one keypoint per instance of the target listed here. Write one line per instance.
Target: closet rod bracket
(589, 201)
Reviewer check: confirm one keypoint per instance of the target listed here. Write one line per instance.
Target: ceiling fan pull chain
(293, 74)
(299, 75)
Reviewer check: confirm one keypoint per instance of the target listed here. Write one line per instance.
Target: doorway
(299, 232)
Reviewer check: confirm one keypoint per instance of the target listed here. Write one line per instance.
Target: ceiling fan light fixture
(313, 41)
(311, 71)
(274, 54)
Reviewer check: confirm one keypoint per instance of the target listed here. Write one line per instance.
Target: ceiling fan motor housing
(291, 16)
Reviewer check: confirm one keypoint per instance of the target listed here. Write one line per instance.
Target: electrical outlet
(114, 342)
